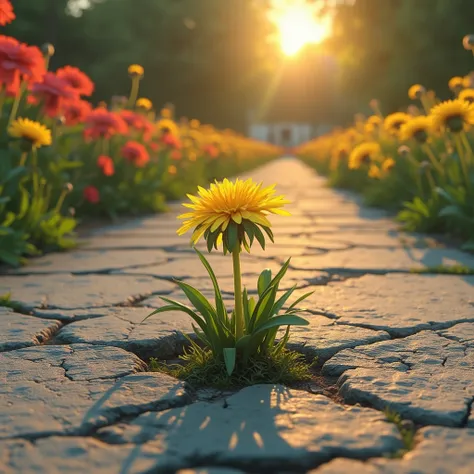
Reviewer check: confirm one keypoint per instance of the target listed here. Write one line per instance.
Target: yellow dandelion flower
(417, 128)
(456, 83)
(194, 123)
(166, 113)
(467, 95)
(388, 165)
(232, 210)
(375, 120)
(168, 126)
(34, 133)
(467, 82)
(374, 172)
(144, 103)
(135, 70)
(417, 91)
(172, 169)
(454, 115)
(363, 154)
(393, 122)
(340, 152)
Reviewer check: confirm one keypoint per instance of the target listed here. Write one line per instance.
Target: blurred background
(279, 70)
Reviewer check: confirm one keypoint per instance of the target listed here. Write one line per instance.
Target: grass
(445, 270)
(407, 433)
(201, 369)
(7, 302)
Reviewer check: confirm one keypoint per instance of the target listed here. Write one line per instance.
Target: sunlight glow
(298, 25)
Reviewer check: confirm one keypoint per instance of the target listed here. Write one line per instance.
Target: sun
(298, 26)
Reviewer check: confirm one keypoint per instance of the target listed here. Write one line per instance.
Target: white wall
(299, 132)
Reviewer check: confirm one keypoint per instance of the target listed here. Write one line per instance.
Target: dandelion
(454, 115)
(467, 95)
(340, 152)
(374, 172)
(77, 80)
(144, 103)
(417, 128)
(166, 113)
(167, 126)
(456, 83)
(388, 165)
(194, 123)
(135, 70)
(363, 154)
(6, 12)
(394, 122)
(416, 92)
(33, 134)
(135, 153)
(172, 169)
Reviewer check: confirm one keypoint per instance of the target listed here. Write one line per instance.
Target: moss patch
(445, 270)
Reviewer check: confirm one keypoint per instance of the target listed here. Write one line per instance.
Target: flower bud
(468, 42)
(68, 187)
(404, 150)
(48, 49)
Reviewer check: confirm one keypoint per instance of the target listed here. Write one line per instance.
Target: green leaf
(269, 232)
(232, 236)
(283, 320)
(452, 211)
(300, 299)
(249, 228)
(263, 308)
(230, 354)
(278, 277)
(260, 237)
(281, 302)
(264, 281)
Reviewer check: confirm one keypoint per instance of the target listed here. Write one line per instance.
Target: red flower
(211, 150)
(91, 194)
(136, 153)
(76, 79)
(106, 164)
(100, 123)
(6, 12)
(75, 112)
(19, 61)
(55, 92)
(138, 122)
(176, 155)
(154, 146)
(170, 140)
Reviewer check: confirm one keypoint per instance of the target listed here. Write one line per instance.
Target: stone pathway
(76, 396)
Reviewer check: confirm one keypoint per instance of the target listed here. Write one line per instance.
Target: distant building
(286, 134)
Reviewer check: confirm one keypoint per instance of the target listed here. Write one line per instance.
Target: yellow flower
(230, 210)
(456, 83)
(374, 172)
(388, 165)
(340, 152)
(416, 92)
(467, 95)
(166, 113)
(194, 123)
(393, 122)
(418, 128)
(35, 133)
(363, 154)
(455, 115)
(374, 120)
(135, 70)
(172, 169)
(144, 103)
(168, 126)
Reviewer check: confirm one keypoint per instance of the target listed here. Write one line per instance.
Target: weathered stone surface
(159, 336)
(93, 261)
(79, 291)
(411, 376)
(399, 304)
(383, 260)
(323, 338)
(134, 242)
(18, 330)
(463, 332)
(440, 450)
(72, 390)
(263, 426)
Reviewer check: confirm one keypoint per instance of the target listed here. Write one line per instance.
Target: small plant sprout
(234, 215)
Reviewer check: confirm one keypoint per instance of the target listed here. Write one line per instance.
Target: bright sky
(298, 24)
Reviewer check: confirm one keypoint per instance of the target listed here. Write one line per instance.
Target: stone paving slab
(438, 450)
(18, 330)
(53, 390)
(397, 303)
(80, 291)
(382, 260)
(410, 376)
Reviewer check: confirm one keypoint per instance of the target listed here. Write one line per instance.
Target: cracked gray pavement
(76, 395)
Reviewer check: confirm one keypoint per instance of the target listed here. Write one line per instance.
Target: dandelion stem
(433, 159)
(16, 102)
(23, 158)
(60, 202)
(34, 163)
(239, 310)
(467, 145)
(134, 91)
(462, 159)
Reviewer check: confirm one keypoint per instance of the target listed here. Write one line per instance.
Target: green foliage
(216, 330)
(406, 430)
(200, 368)
(445, 270)
(7, 302)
